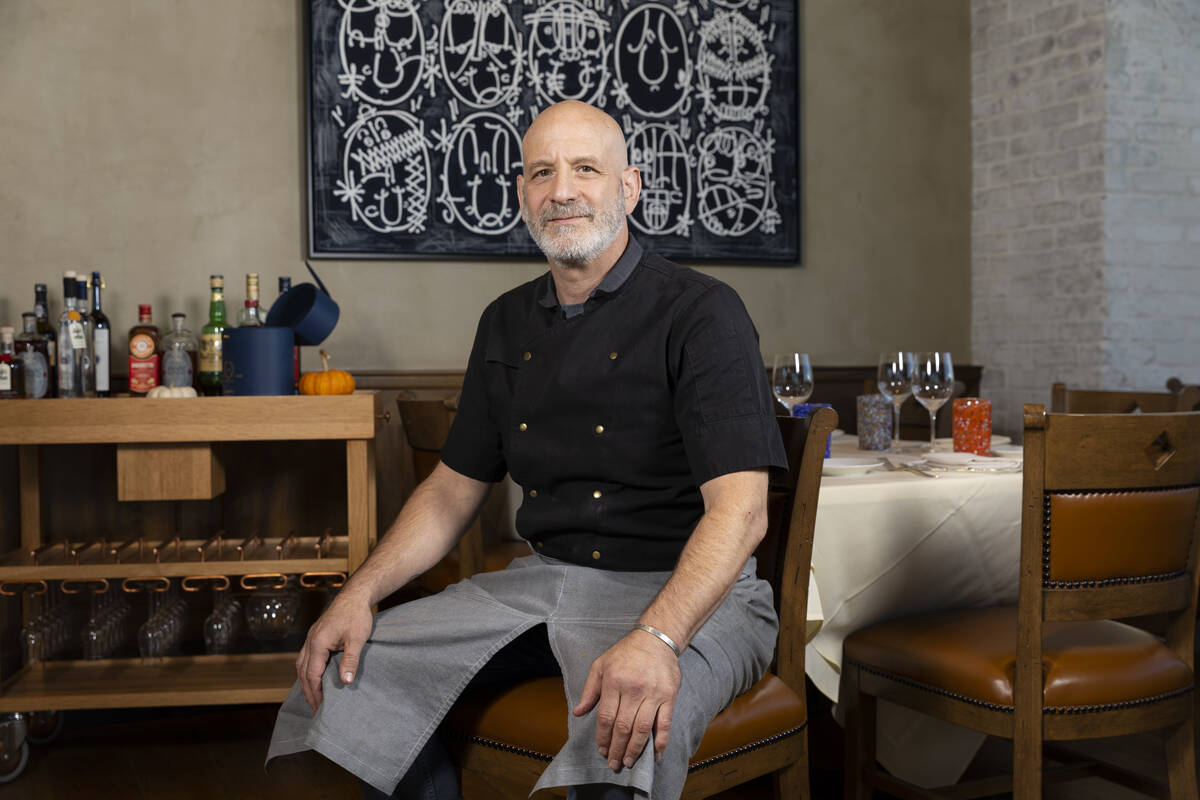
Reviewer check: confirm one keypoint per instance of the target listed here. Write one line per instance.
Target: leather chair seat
(531, 718)
(972, 655)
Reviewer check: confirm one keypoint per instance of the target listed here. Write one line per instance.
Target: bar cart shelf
(180, 432)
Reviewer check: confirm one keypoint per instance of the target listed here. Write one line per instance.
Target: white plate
(837, 433)
(840, 467)
(1009, 450)
(970, 461)
(946, 443)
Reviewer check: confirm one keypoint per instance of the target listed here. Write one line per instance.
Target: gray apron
(421, 655)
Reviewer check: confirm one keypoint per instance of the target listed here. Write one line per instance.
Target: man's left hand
(633, 686)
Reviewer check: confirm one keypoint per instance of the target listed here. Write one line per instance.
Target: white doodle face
(659, 151)
(734, 67)
(382, 48)
(734, 193)
(652, 61)
(481, 52)
(385, 172)
(568, 51)
(479, 175)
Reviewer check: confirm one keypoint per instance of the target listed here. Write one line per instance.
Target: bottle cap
(143, 311)
(39, 288)
(69, 285)
(6, 334)
(177, 315)
(70, 274)
(285, 283)
(28, 315)
(216, 280)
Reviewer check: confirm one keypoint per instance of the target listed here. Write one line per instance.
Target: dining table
(900, 534)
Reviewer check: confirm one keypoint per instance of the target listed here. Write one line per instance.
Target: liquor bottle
(179, 354)
(31, 346)
(145, 348)
(285, 283)
(12, 368)
(72, 342)
(89, 354)
(101, 338)
(48, 332)
(249, 317)
(210, 339)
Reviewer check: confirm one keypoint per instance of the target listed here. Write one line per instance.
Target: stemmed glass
(792, 379)
(933, 384)
(895, 379)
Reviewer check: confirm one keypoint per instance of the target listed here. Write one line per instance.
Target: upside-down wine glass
(792, 379)
(933, 383)
(895, 379)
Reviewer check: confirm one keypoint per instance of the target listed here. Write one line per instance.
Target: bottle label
(51, 346)
(143, 374)
(177, 368)
(100, 345)
(210, 352)
(37, 374)
(5, 377)
(75, 331)
(141, 347)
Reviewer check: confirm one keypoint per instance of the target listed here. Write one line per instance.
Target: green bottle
(209, 382)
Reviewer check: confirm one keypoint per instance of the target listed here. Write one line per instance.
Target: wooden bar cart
(165, 451)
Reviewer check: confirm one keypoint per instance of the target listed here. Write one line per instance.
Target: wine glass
(792, 379)
(895, 379)
(933, 383)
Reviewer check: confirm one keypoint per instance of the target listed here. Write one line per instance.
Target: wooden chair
(506, 737)
(1178, 397)
(1109, 530)
(426, 425)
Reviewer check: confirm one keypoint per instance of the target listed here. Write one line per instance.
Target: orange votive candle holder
(973, 425)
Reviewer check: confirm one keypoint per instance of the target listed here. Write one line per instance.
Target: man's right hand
(344, 626)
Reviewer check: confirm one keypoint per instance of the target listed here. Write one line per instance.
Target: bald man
(625, 395)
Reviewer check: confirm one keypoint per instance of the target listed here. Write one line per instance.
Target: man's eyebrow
(545, 162)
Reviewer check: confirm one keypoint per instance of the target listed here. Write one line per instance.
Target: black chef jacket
(609, 420)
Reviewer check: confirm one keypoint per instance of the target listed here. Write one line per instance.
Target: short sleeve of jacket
(723, 404)
(473, 447)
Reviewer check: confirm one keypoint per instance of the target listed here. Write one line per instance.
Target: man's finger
(606, 716)
(302, 677)
(590, 694)
(662, 728)
(349, 665)
(313, 671)
(622, 729)
(643, 726)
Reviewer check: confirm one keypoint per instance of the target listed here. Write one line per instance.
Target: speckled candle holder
(874, 422)
(973, 426)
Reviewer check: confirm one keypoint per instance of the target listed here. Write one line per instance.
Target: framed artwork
(416, 108)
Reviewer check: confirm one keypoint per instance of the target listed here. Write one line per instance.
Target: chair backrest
(785, 554)
(426, 421)
(1111, 515)
(1178, 397)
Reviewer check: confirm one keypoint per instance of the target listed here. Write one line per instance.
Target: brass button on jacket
(595, 555)
(597, 494)
(527, 355)
(533, 492)
(522, 427)
(599, 429)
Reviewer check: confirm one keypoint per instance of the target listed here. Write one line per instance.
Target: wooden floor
(215, 753)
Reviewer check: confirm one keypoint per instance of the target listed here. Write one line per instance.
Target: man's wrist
(662, 637)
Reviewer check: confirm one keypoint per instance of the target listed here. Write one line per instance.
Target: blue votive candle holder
(803, 410)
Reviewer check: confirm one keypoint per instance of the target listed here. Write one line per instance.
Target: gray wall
(162, 141)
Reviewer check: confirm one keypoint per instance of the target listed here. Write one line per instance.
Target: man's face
(576, 189)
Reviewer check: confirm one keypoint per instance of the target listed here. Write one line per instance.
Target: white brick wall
(1086, 225)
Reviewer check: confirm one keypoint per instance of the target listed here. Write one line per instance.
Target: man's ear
(521, 194)
(631, 184)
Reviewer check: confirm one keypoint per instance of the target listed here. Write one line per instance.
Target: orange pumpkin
(327, 381)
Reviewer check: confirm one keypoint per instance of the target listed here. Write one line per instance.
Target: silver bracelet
(660, 635)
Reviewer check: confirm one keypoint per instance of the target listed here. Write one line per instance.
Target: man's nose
(562, 190)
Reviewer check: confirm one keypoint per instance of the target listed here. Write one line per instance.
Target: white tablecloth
(895, 544)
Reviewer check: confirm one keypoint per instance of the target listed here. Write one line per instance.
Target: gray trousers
(421, 656)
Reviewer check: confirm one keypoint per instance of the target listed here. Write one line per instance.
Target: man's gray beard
(578, 249)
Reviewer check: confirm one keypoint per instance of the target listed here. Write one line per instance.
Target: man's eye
(541, 173)
(586, 168)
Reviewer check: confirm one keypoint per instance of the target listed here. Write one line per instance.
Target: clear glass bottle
(145, 350)
(12, 368)
(31, 346)
(249, 317)
(101, 340)
(72, 342)
(209, 382)
(89, 357)
(179, 354)
(48, 332)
